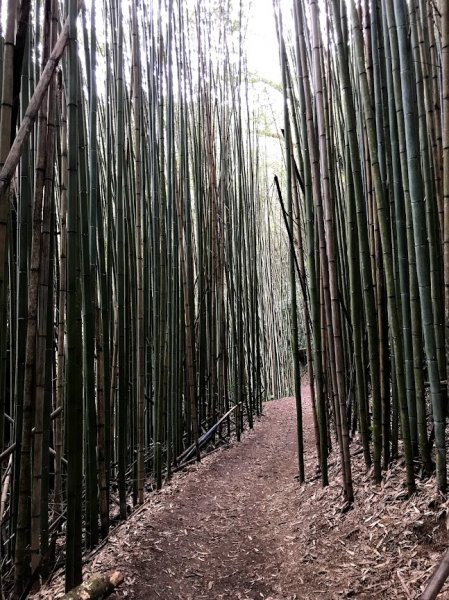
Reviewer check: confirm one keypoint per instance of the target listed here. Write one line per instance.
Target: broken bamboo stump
(96, 587)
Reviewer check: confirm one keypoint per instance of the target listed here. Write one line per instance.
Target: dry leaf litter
(239, 526)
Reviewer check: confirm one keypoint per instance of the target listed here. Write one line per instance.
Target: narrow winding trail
(226, 529)
(239, 526)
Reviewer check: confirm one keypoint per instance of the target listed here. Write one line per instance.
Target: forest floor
(240, 526)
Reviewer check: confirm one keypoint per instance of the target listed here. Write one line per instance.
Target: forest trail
(228, 528)
(239, 526)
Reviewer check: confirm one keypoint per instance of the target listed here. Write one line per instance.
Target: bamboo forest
(224, 299)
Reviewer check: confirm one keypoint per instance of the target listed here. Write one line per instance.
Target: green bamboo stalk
(361, 216)
(74, 388)
(386, 246)
(421, 248)
(313, 260)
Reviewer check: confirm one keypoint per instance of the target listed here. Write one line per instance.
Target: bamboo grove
(136, 244)
(366, 105)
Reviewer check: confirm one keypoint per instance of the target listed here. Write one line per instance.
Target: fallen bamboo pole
(205, 437)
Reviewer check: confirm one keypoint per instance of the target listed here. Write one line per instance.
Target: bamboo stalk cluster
(366, 90)
(134, 240)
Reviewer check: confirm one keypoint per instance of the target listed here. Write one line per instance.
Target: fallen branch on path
(96, 587)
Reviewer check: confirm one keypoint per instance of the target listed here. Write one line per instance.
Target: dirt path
(226, 530)
(239, 526)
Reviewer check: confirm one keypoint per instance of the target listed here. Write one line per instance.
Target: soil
(240, 526)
